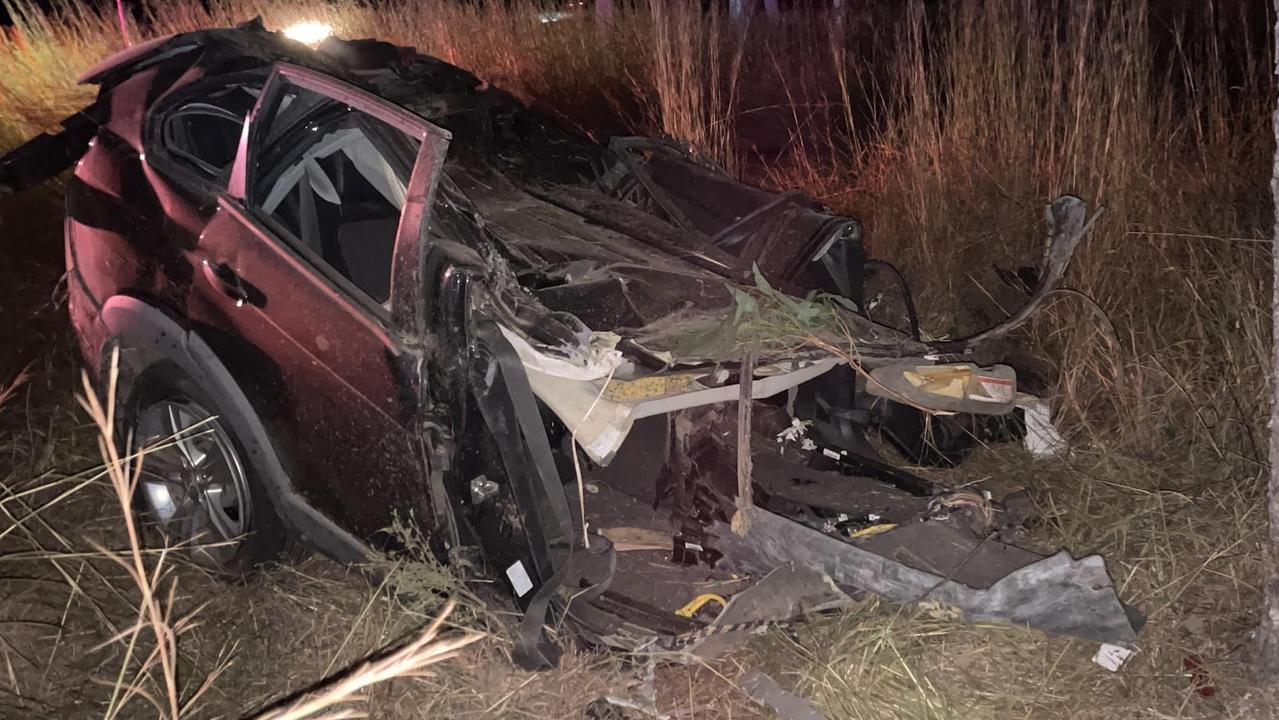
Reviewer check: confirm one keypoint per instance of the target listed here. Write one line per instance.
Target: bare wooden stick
(745, 501)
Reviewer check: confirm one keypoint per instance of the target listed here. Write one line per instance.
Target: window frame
(286, 160)
(403, 311)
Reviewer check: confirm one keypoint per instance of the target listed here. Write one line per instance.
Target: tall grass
(693, 89)
(945, 129)
(996, 106)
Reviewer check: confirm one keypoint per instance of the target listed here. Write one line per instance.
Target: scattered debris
(698, 603)
(1042, 438)
(639, 704)
(786, 704)
(871, 530)
(626, 539)
(1200, 680)
(955, 387)
(797, 431)
(1112, 657)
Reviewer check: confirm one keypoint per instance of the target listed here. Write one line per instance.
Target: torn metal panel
(765, 690)
(781, 234)
(1057, 594)
(1068, 223)
(786, 593)
(47, 155)
(940, 549)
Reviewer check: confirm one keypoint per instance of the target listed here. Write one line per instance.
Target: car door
(306, 287)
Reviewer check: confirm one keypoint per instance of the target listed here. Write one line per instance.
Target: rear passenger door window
(333, 180)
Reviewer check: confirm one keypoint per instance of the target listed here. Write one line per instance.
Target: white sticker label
(519, 579)
(1112, 657)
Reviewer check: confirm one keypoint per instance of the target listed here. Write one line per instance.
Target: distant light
(308, 33)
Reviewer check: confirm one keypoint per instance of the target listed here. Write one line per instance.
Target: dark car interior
(329, 177)
(205, 134)
(200, 131)
(334, 179)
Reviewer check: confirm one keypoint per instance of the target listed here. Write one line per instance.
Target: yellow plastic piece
(653, 386)
(696, 604)
(945, 380)
(872, 530)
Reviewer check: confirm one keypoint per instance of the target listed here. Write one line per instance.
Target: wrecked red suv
(355, 284)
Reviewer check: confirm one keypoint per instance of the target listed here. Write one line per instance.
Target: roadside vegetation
(945, 130)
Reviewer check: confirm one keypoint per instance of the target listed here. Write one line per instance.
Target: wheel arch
(147, 336)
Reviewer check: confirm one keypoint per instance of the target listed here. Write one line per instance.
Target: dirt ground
(1183, 545)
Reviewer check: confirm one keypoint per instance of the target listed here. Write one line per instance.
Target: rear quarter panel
(127, 225)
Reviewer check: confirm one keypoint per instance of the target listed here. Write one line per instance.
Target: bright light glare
(308, 33)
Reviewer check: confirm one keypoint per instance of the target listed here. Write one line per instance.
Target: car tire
(198, 489)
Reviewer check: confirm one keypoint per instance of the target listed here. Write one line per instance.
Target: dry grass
(998, 106)
(945, 131)
(409, 661)
(147, 643)
(155, 605)
(694, 70)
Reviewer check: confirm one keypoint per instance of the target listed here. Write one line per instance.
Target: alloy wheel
(193, 482)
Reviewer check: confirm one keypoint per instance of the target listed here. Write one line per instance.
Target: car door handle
(223, 277)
